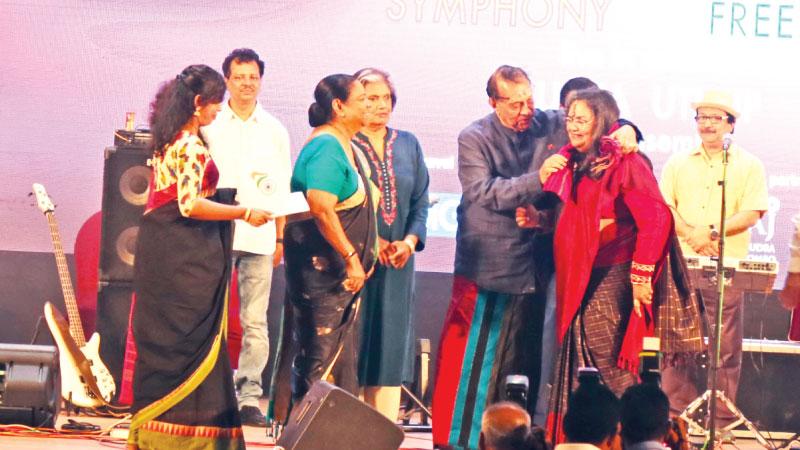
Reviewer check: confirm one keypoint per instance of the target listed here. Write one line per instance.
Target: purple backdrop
(71, 69)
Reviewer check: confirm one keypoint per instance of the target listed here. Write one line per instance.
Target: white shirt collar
(256, 116)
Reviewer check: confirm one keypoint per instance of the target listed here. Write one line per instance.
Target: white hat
(717, 99)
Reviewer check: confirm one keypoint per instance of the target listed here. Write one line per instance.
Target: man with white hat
(690, 183)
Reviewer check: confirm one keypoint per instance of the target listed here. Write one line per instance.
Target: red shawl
(628, 183)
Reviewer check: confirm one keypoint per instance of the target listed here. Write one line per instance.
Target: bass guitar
(85, 380)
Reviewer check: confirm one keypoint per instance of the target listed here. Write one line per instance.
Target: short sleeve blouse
(323, 165)
(184, 172)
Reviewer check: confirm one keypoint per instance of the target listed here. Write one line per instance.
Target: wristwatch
(714, 234)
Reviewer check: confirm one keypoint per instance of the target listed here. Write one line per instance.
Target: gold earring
(196, 112)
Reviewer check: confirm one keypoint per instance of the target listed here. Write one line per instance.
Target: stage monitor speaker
(126, 180)
(30, 385)
(329, 418)
(768, 390)
(113, 311)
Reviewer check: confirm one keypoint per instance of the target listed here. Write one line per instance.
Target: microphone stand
(720, 274)
(712, 395)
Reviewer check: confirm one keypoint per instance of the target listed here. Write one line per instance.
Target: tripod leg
(741, 419)
(416, 400)
(732, 408)
(690, 410)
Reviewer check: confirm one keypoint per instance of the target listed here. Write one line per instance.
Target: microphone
(726, 144)
(726, 141)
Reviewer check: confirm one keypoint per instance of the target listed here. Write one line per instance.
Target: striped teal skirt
(486, 337)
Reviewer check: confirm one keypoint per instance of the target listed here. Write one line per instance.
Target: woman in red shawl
(611, 242)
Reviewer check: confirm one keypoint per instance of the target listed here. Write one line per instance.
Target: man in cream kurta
(251, 150)
(690, 185)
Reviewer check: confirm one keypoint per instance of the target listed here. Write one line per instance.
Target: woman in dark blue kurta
(399, 171)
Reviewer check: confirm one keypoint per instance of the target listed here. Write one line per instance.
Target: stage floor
(255, 438)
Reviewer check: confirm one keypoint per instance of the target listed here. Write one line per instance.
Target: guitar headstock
(42, 199)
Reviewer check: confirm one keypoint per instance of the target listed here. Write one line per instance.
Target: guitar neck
(75, 327)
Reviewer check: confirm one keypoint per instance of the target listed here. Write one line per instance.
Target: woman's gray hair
(372, 75)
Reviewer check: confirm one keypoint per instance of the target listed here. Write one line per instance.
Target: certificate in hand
(277, 201)
(295, 203)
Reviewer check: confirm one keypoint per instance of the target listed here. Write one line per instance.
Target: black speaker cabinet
(30, 385)
(125, 188)
(764, 317)
(329, 418)
(767, 389)
(113, 311)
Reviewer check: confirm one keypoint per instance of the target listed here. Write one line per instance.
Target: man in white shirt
(251, 150)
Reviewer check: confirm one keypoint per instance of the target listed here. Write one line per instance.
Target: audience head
(195, 94)
(572, 85)
(644, 414)
(505, 426)
(340, 100)
(510, 94)
(590, 115)
(592, 415)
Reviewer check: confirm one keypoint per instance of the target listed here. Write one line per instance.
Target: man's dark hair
(574, 84)
(508, 73)
(242, 55)
(592, 414)
(644, 414)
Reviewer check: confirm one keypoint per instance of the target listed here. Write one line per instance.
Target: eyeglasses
(518, 105)
(715, 120)
(580, 121)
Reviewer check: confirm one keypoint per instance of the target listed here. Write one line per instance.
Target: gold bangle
(247, 213)
(350, 255)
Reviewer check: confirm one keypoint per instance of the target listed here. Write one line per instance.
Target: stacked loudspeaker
(125, 189)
